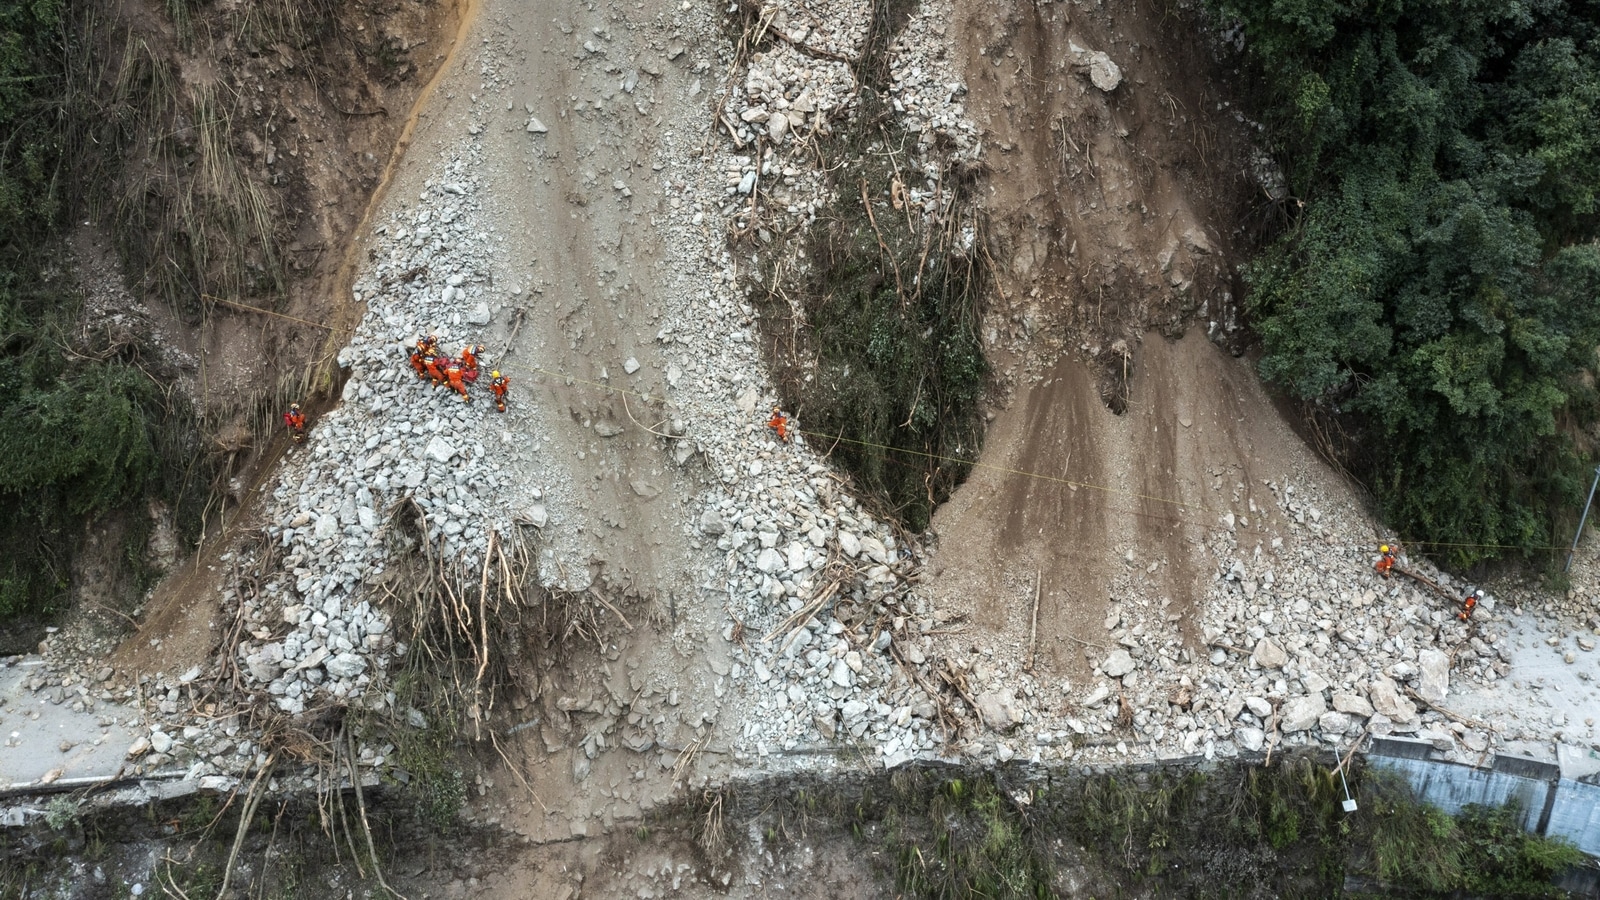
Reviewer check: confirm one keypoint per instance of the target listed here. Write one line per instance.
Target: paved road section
(58, 736)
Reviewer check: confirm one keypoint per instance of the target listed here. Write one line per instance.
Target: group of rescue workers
(433, 365)
(1386, 564)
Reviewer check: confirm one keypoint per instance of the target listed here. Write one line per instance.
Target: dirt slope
(1116, 209)
(315, 129)
(1138, 495)
(571, 265)
(1115, 213)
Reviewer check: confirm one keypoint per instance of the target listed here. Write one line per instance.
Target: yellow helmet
(495, 374)
(1384, 549)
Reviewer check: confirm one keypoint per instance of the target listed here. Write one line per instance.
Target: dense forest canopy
(1439, 287)
(81, 433)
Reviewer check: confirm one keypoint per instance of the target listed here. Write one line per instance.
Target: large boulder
(1268, 655)
(1301, 713)
(1433, 679)
(1386, 701)
(999, 709)
(1118, 664)
(1354, 704)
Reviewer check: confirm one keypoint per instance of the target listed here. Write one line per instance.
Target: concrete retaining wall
(1558, 800)
(1575, 815)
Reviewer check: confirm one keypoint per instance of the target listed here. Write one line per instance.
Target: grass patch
(1237, 831)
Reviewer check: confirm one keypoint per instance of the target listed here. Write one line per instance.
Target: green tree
(79, 435)
(1439, 289)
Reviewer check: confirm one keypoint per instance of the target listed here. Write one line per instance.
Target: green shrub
(891, 372)
(1438, 292)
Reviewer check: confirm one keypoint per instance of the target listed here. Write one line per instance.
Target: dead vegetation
(469, 637)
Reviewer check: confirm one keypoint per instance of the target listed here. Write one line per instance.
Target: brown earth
(585, 266)
(1115, 448)
(1082, 505)
(1115, 212)
(318, 121)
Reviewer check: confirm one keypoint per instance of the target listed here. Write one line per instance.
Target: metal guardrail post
(1582, 520)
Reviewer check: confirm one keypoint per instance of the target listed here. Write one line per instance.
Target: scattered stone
(1386, 701)
(537, 515)
(1354, 704)
(1268, 655)
(1334, 722)
(438, 449)
(1301, 713)
(849, 544)
(1250, 738)
(998, 709)
(345, 665)
(1433, 678)
(770, 561)
(1118, 664)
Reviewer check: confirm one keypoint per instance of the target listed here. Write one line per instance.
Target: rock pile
(396, 445)
(825, 627)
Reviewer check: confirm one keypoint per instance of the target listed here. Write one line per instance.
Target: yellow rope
(1007, 470)
(886, 450)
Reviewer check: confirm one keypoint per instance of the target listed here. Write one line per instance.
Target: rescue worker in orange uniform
(434, 366)
(295, 420)
(497, 385)
(779, 423)
(428, 346)
(1386, 561)
(452, 375)
(469, 362)
(1468, 605)
(416, 364)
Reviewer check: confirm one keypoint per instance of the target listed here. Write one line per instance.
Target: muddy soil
(320, 103)
(1114, 447)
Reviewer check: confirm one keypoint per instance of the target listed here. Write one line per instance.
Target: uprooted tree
(1436, 293)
